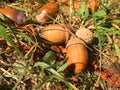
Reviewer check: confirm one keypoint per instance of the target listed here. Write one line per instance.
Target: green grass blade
(6, 37)
(62, 68)
(99, 43)
(48, 67)
(55, 72)
(41, 64)
(56, 75)
(26, 38)
(69, 85)
(46, 79)
(21, 9)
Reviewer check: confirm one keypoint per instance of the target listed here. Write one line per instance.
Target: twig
(31, 49)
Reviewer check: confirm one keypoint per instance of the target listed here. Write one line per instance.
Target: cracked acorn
(13, 14)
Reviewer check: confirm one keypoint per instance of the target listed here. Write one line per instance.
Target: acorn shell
(47, 11)
(77, 55)
(13, 14)
(56, 33)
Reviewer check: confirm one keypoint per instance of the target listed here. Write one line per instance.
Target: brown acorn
(56, 33)
(13, 14)
(77, 55)
(47, 11)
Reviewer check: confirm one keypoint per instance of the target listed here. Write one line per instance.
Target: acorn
(77, 54)
(47, 11)
(85, 34)
(13, 14)
(56, 33)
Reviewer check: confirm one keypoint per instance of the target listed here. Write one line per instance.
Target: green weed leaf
(83, 12)
(100, 14)
(49, 57)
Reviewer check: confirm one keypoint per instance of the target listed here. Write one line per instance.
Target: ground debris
(110, 76)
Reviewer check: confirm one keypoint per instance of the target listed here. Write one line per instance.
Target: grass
(20, 62)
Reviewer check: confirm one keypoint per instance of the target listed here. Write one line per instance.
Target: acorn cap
(74, 40)
(85, 34)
